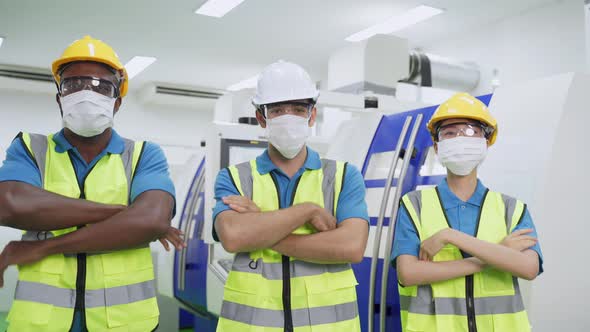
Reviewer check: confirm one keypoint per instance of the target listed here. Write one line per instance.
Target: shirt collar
(116, 144)
(265, 165)
(450, 200)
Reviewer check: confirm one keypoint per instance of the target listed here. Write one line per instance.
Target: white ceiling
(216, 52)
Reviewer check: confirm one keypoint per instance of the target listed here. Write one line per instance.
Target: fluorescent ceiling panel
(397, 22)
(217, 8)
(137, 64)
(245, 84)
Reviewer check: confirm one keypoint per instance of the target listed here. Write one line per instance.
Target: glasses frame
(116, 90)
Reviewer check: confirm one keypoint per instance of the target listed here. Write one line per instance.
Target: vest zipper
(471, 323)
(286, 264)
(287, 294)
(469, 297)
(81, 258)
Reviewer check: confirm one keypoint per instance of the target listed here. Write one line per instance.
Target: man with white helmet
(459, 248)
(295, 221)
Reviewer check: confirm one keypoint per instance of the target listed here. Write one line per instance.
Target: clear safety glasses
(461, 128)
(73, 84)
(300, 109)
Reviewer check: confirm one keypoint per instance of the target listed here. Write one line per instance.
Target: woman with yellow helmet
(459, 248)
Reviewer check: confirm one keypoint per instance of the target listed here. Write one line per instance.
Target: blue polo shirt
(351, 203)
(462, 216)
(151, 172)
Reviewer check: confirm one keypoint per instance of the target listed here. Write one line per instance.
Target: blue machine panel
(190, 265)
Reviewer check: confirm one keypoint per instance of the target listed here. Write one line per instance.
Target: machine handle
(392, 219)
(379, 229)
(187, 228)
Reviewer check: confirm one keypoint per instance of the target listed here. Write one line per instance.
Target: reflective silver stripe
(301, 317)
(415, 198)
(120, 295)
(509, 207)
(424, 303)
(41, 293)
(246, 181)
(127, 157)
(274, 271)
(36, 236)
(66, 298)
(328, 181)
(39, 147)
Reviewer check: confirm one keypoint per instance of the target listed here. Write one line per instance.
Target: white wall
(544, 41)
(178, 130)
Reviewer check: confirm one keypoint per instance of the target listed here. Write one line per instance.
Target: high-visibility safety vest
(267, 291)
(485, 301)
(116, 290)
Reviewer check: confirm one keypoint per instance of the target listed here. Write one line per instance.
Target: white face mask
(288, 133)
(87, 113)
(461, 155)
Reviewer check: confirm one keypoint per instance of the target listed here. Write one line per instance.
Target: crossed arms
(245, 228)
(511, 255)
(109, 227)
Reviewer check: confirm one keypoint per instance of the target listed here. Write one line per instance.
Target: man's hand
(519, 241)
(241, 204)
(431, 246)
(175, 237)
(21, 252)
(322, 220)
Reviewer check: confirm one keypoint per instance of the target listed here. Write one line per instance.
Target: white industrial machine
(538, 157)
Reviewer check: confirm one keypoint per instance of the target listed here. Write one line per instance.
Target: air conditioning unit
(26, 79)
(164, 94)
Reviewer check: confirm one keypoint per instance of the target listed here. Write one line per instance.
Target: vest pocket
(448, 253)
(331, 299)
(129, 287)
(37, 314)
(448, 288)
(496, 283)
(53, 264)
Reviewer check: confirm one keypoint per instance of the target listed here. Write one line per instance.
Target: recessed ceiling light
(1, 41)
(397, 22)
(217, 8)
(137, 64)
(245, 84)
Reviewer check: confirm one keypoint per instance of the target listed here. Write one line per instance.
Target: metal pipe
(431, 70)
(394, 210)
(382, 209)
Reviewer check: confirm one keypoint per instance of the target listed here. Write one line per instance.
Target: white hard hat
(284, 81)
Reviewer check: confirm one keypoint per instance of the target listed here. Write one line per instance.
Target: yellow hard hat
(90, 49)
(464, 105)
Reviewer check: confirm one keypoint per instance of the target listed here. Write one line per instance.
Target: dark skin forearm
(26, 207)
(147, 219)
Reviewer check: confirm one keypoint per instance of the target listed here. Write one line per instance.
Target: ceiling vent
(166, 94)
(26, 79)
